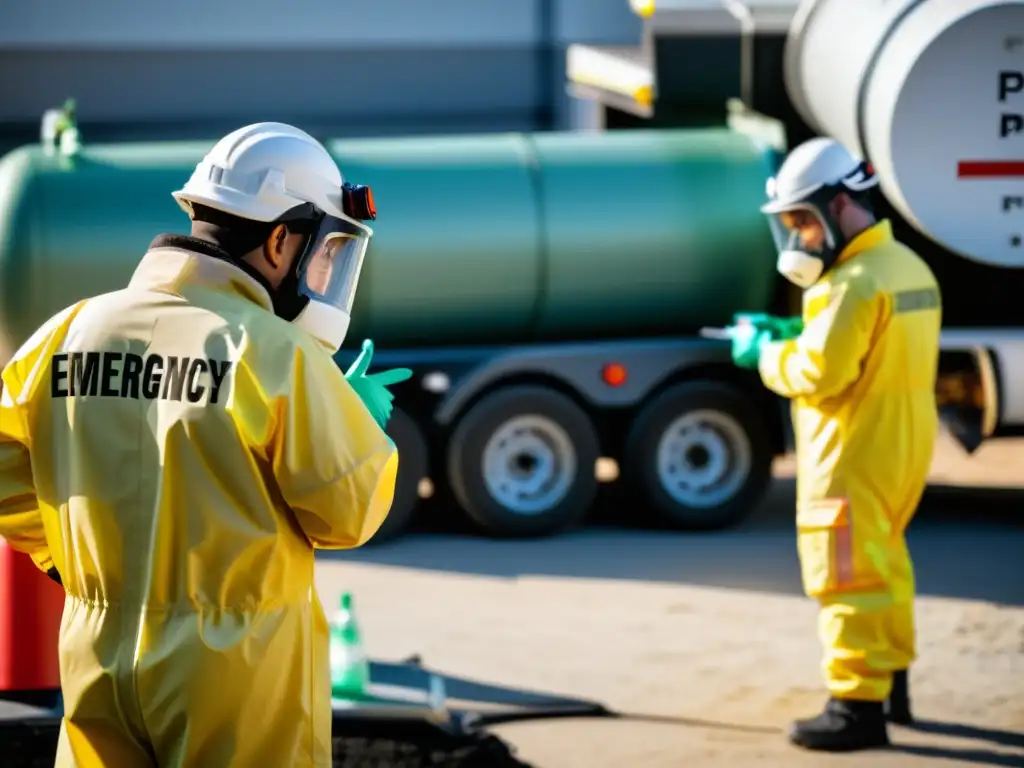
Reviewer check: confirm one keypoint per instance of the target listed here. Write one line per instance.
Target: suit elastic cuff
(43, 561)
(769, 364)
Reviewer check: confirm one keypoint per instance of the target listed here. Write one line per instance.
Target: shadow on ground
(966, 544)
(976, 733)
(977, 755)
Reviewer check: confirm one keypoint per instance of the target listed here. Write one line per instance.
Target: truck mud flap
(967, 395)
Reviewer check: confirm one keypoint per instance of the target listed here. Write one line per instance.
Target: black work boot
(897, 708)
(844, 726)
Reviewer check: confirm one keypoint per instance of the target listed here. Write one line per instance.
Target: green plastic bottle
(350, 669)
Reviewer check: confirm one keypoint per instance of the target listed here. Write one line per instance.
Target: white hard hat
(272, 172)
(812, 167)
(261, 171)
(809, 181)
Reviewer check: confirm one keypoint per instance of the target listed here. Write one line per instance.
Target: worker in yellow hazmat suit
(861, 375)
(174, 453)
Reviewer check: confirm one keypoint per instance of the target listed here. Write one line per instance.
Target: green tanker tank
(482, 239)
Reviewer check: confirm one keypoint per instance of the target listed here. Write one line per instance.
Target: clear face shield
(328, 278)
(805, 243)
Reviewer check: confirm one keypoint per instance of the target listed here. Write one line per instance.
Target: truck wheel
(413, 466)
(700, 454)
(521, 462)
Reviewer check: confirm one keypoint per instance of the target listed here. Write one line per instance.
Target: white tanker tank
(931, 93)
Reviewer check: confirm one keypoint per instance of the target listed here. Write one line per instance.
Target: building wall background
(193, 68)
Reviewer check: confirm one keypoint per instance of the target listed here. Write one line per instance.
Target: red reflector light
(614, 374)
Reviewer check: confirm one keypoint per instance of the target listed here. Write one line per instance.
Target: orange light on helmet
(371, 206)
(614, 374)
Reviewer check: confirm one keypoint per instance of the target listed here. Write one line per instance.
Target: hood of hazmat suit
(178, 452)
(862, 379)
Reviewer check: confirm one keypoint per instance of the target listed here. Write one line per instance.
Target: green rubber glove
(778, 328)
(788, 328)
(373, 389)
(747, 340)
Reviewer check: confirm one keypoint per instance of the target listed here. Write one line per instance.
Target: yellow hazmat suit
(862, 380)
(178, 452)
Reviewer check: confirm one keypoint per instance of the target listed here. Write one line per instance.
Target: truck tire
(700, 455)
(521, 462)
(413, 466)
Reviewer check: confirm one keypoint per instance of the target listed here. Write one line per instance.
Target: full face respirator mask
(318, 293)
(806, 232)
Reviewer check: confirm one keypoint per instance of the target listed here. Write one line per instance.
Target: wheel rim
(529, 464)
(704, 458)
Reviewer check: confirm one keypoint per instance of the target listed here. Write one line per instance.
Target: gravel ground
(705, 640)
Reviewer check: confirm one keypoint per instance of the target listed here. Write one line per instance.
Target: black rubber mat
(372, 734)
(33, 744)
